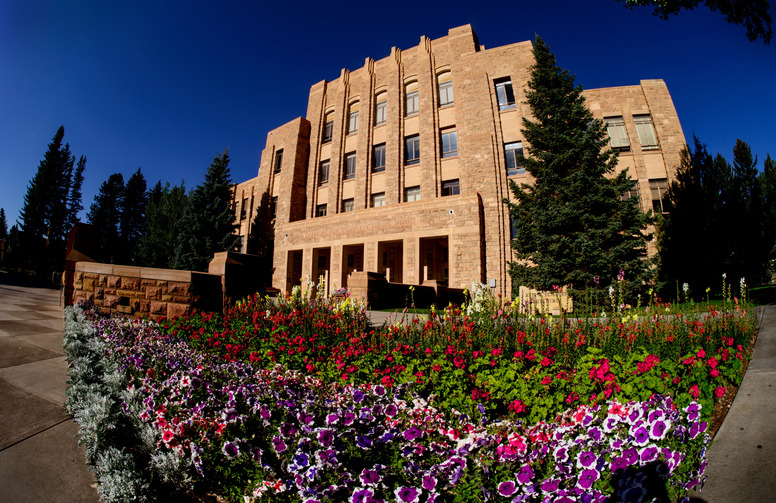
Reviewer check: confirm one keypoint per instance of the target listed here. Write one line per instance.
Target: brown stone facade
(343, 190)
(157, 293)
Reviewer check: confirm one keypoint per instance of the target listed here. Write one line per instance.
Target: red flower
(547, 380)
(719, 391)
(459, 362)
(517, 406)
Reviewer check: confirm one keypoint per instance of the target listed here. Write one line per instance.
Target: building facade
(400, 167)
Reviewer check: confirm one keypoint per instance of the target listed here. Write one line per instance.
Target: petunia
(407, 494)
(586, 459)
(507, 488)
(648, 454)
(230, 450)
(362, 495)
(586, 479)
(429, 482)
(658, 429)
(550, 485)
(525, 475)
(641, 436)
(369, 477)
(412, 433)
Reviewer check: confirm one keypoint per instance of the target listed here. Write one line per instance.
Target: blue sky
(167, 85)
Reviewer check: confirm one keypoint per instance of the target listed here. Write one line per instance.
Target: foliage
(3, 224)
(51, 204)
(132, 217)
(244, 433)
(753, 15)
(572, 227)
(208, 224)
(166, 206)
(725, 208)
(105, 215)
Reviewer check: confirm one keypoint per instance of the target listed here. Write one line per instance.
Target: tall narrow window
(412, 149)
(646, 131)
(328, 127)
(353, 118)
(513, 153)
(381, 109)
(378, 199)
(278, 160)
(350, 166)
(320, 210)
(378, 158)
(449, 143)
(658, 188)
(273, 207)
(412, 194)
(504, 93)
(244, 208)
(618, 136)
(411, 98)
(451, 188)
(323, 172)
(347, 205)
(445, 84)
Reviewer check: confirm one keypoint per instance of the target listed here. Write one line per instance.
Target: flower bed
(290, 403)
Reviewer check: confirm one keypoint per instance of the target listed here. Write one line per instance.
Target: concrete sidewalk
(39, 455)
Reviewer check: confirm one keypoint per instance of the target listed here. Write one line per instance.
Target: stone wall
(158, 293)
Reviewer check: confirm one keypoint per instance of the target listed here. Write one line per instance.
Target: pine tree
(105, 216)
(44, 217)
(768, 187)
(75, 198)
(133, 216)
(3, 225)
(572, 225)
(208, 225)
(166, 206)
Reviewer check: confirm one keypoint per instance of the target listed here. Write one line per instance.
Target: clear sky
(167, 85)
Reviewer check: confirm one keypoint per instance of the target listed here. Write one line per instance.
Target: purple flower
(507, 488)
(358, 395)
(332, 419)
(327, 457)
(326, 437)
(288, 430)
(379, 390)
(641, 436)
(631, 455)
(693, 411)
(347, 418)
(618, 463)
(391, 410)
(525, 475)
(407, 494)
(369, 477)
(648, 454)
(561, 454)
(412, 433)
(550, 485)
(429, 482)
(301, 460)
(364, 442)
(362, 495)
(586, 479)
(594, 433)
(230, 450)
(586, 459)
(658, 429)
(634, 493)
(278, 445)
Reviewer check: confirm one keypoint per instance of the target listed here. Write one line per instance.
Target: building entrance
(390, 258)
(434, 260)
(352, 260)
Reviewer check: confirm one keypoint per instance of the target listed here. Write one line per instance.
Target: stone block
(182, 299)
(88, 284)
(176, 288)
(158, 308)
(99, 293)
(130, 283)
(174, 309)
(166, 298)
(110, 301)
(124, 309)
(153, 292)
(113, 281)
(144, 306)
(128, 293)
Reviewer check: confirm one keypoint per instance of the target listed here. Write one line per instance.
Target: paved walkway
(41, 461)
(39, 455)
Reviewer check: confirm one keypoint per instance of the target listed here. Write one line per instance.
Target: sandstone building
(400, 167)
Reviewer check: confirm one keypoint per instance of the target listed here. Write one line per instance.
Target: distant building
(401, 166)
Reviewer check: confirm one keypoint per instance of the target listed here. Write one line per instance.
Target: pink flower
(517, 406)
(701, 353)
(694, 391)
(459, 362)
(546, 362)
(719, 391)
(714, 373)
(547, 380)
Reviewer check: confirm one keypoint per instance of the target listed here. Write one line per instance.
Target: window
(618, 136)
(633, 193)
(273, 207)
(378, 199)
(320, 210)
(445, 84)
(513, 153)
(512, 227)
(381, 108)
(505, 94)
(323, 172)
(412, 149)
(243, 208)
(350, 166)
(347, 205)
(353, 118)
(278, 160)
(378, 158)
(646, 131)
(449, 144)
(658, 188)
(450, 188)
(412, 194)
(328, 127)
(411, 99)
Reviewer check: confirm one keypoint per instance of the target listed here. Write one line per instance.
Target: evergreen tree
(572, 225)
(75, 198)
(3, 225)
(166, 206)
(208, 224)
(768, 187)
(105, 216)
(133, 216)
(44, 217)
(694, 238)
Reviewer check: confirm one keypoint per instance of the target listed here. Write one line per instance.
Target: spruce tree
(208, 225)
(768, 187)
(572, 225)
(44, 217)
(3, 225)
(133, 216)
(105, 216)
(166, 206)
(75, 197)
